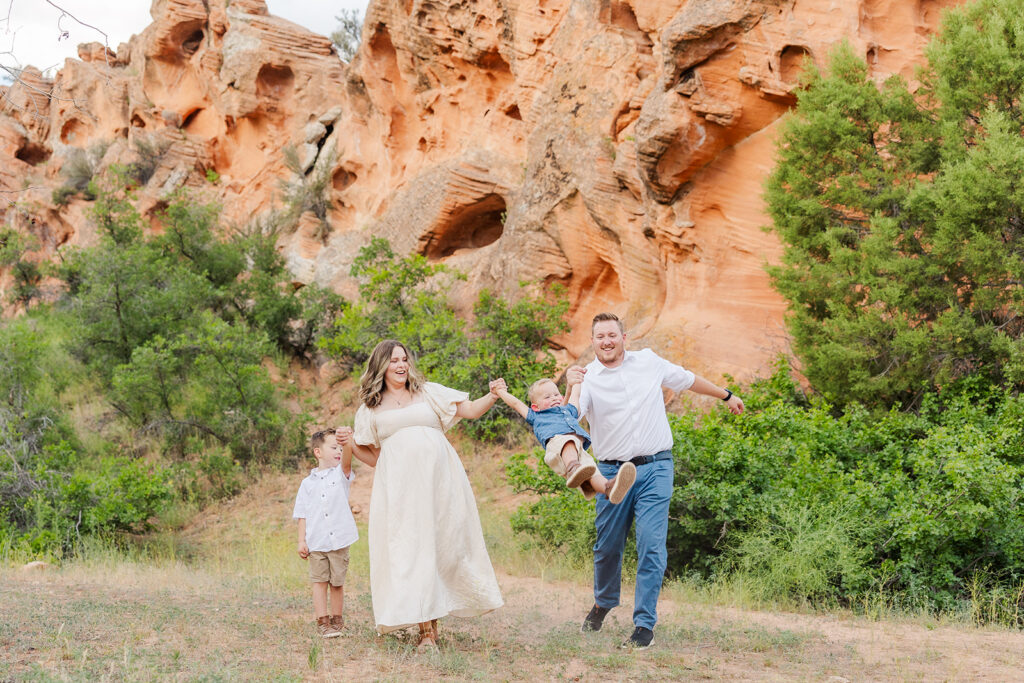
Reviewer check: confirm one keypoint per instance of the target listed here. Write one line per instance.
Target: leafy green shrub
(900, 215)
(27, 274)
(560, 518)
(208, 380)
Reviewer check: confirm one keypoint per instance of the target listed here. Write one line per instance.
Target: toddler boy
(565, 442)
(327, 528)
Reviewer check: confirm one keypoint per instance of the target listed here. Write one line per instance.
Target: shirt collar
(326, 473)
(601, 367)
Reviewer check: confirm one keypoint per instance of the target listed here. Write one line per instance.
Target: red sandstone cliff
(617, 147)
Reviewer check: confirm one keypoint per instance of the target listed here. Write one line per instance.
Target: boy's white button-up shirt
(625, 406)
(323, 502)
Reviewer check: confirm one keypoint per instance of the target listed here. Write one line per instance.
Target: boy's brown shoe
(338, 622)
(619, 486)
(325, 629)
(577, 473)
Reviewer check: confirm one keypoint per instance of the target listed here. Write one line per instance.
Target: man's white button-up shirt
(323, 502)
(625, 406)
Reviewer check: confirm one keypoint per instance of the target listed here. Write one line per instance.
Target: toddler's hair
(532, 391)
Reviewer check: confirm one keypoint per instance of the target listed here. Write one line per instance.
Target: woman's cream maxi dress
(427, 554)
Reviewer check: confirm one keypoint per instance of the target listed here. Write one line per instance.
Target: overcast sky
(32, 34)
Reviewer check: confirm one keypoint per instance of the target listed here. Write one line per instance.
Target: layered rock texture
(619, 148)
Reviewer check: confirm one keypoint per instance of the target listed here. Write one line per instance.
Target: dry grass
(226, 598)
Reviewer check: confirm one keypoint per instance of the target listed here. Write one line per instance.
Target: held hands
(497, 386)
(344, 435)
(574, 376)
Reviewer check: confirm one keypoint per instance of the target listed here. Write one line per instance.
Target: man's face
(609, 343)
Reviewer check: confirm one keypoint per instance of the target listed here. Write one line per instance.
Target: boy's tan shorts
(553, 452)
(329, 567)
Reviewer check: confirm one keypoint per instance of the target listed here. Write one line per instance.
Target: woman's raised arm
(470, 410)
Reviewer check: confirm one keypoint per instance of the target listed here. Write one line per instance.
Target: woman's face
(398, 367)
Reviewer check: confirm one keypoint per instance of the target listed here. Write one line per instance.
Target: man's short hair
(603, 317)
(318, 438)
(532, 391)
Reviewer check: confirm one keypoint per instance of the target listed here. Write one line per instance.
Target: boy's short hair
(603, 317)
(535, 386)
(318, 438)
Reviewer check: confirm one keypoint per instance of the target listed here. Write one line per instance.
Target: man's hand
(735, 404)
(303, 550)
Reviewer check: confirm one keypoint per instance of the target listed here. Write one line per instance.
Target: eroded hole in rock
(191, 44)
(342, 179)
(71, 130)
(274, 81)
(137, 121)
(494, 62)
(791, 62)
(468, 227)
(33, 154)
(513, 113)
(190, 117)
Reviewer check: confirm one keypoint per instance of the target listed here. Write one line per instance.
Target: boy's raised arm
(574, 395)
(500, 389)
(346, 457)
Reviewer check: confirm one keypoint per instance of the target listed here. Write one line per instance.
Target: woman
(427, 552)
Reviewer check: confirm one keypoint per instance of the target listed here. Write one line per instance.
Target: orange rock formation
(619, 147)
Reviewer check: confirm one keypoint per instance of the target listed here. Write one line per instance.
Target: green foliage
(405, 298)
(348, 34)
(171, 334)
(27, 274)
(293, 317)
(902, 218)
(560, 517)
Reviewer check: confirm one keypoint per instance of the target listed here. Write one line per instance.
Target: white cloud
(33, 33)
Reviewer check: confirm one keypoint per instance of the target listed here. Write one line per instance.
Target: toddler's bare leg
(599, 482)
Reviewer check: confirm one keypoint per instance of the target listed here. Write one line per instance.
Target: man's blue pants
(647, 503)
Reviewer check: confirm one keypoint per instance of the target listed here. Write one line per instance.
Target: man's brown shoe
(618, 487)
(577, 473)
(338, 622)
(325, 629)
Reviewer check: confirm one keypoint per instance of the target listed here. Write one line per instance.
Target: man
(623, 401)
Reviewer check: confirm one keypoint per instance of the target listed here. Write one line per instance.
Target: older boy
(556, 425)
(327, 528)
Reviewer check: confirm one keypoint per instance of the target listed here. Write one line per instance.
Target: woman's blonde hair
(371, 384)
